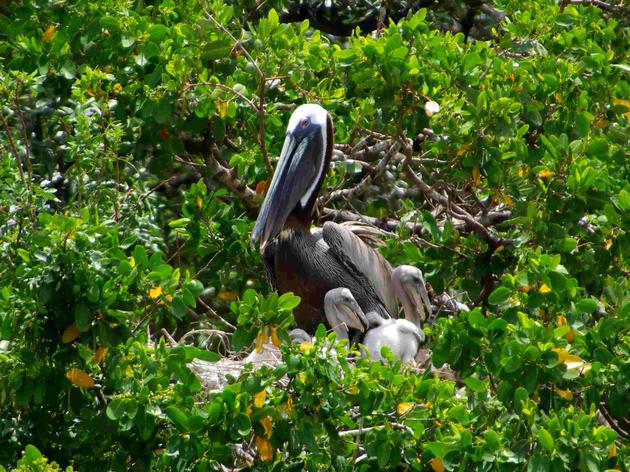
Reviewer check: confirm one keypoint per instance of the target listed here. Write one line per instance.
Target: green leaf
(157, 32)
(108, 22)
(273, 18)
(475, 384)
(217, 50)
(82, 316)
(288, 301)
(383, 453)
(622, 200)
(178, 307)
(499, 295)
(586, 305)
(476, 318)
(567, 244)
(115, 409)
(545, 439)
(140, 256)
(521, 399)
(582, 122)
(178, 417)
(31, 457)
(307, 435)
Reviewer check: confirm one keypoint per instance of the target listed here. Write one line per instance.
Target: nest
(215, 376)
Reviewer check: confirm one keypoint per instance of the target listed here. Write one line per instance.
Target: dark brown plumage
(310, 263)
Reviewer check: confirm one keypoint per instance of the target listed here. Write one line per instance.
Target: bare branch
(228, 177)
(226, 88)
(262, 84)
(363, 186)
(14, 149)
(492, 239)
(215, 314)
(598, 3)
(360, 431)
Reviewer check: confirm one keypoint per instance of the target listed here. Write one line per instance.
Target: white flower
(431, 108)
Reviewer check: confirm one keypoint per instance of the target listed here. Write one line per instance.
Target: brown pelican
(300, 261)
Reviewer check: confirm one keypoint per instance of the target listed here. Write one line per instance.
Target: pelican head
(304, 160)
(343, 312)
(410, 289)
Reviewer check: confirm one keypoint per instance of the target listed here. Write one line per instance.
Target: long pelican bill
(412, 293)
(300, 169)
(354, 316)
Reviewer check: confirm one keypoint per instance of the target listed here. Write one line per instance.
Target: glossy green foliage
(134, 141)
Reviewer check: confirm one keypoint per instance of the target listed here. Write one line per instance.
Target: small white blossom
(431, 108)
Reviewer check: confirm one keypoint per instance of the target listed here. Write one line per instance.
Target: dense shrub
(136, 139)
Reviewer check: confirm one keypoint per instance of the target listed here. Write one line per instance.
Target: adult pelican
(307, 263)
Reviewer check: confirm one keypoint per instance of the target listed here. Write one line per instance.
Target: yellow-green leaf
(404, 408)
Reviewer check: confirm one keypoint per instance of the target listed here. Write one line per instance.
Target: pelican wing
(407, 327)
(363, 262)
(268, 258)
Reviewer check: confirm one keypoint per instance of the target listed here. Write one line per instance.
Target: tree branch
(363, 186)
(598, 3)
(387, 224)
(227, 176)
(492, 239)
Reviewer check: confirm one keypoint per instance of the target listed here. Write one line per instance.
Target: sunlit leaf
(404, 408)
(80, 378)
(259, 398)
(155, 292)
(70, 333)
(437, 465)
(265, 451)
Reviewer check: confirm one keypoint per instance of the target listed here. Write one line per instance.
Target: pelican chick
(411, 291)
(344, 313)
(402, 337)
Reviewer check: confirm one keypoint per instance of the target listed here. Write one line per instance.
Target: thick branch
(387, 224)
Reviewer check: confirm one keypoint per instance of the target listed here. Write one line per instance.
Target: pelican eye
(305, 123)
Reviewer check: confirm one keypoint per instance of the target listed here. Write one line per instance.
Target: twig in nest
(169, 338)
(222, 335)
(216, 315)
